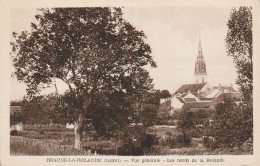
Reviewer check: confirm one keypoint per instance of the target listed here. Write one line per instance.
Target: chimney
(220, 88)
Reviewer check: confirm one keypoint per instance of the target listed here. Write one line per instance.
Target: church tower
(200, 72)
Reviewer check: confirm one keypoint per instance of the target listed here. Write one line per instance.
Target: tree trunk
(80, 123)
(78, 130)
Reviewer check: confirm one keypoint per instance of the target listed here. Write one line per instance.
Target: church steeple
(200, 72)
(200, 50)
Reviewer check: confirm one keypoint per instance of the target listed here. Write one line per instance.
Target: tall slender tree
(89, 49)
(240, 47)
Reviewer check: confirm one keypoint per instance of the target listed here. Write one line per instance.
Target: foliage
(41, 132)
(132, 141)
(13, 132)
(64, 111)
(110, 114)
(159, 150)
(137, 141)
(150, 108)
(239, 46)
(148, 140)
(209, 142)
(165, 94)
(44, 109)
(186, 120)
(195, 132)
(149, 114)
(17, 117)
(92, 50)
(87, 48)
(16, 103)
(233, 124)
(176, 141)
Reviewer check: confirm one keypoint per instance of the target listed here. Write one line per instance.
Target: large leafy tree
(92, 50)
(239, 46)
(233, 123)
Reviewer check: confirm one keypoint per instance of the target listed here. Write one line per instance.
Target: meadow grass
(107, 147)
(18, 148)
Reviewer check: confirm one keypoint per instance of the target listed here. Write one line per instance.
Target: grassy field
(65, 137)
(18, 148)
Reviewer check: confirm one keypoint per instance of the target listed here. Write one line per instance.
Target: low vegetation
(158, 140)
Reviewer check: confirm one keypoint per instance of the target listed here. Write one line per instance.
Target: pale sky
(173, 34)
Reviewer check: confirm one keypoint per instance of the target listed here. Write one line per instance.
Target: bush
(174, 141)
(195, 133)
(159, 150)
(148, 140)
(209, 142)
(41, 132)
(233, 124)
(130, 149)
(110, 114)
(14, 133)
(136, 141)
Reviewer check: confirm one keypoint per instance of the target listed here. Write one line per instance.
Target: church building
(199, 94)
(200, 72)
(200, 86)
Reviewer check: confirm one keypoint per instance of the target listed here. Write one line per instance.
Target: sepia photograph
(130, 84)
(131, 81)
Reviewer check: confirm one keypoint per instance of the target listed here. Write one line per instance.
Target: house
(216, 90)
(236, 96)
(198, 95)
(189, 97)
(177, 103)
(200, 105)
(196, 89)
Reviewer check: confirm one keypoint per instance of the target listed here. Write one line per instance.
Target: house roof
(190, 87)
(233, 95)
(197, 104)
(189, 100)
(180, 99)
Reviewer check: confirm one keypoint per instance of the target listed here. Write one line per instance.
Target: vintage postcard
(133, 83)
